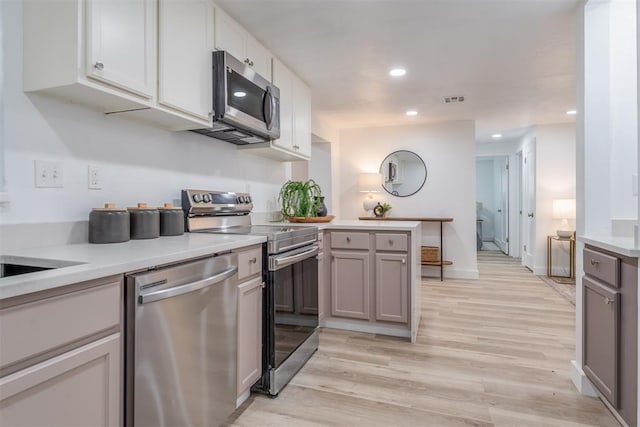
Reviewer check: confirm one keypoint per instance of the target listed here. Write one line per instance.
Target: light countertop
(81, 262)
(619, 245)
(348, 224)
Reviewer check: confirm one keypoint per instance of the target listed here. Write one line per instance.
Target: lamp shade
(564, 208)
(369, 182)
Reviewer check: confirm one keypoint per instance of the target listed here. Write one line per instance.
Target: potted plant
(300, 199)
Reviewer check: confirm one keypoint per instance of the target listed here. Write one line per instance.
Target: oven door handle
(277, 263)
(189, 287)
(297, 245)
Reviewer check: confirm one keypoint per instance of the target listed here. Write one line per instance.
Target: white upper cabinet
(295, 112)
(301, 118)
(103, 56)
(121, 44)
(185, 43)
(230, 36)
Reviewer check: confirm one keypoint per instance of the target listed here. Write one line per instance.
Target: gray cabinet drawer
(249, 262)
(349, 240)
(602, 266)
(36, 327)
(391, 242)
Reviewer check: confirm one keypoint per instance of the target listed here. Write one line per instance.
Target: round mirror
(404, 173)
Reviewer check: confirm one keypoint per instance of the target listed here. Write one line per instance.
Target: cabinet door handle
(253, 260)
(348, 239)
(247, 61)
(595, 262)
(98, 66)
(250, 63)
(297, 147)
(530, 215)
(608, 300)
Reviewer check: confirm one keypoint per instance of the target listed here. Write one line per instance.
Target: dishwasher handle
(189, 287)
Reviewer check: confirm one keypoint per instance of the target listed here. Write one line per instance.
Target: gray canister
(145, 222)
(171, 220)
(109, 224)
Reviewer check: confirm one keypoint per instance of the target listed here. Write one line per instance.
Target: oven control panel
(206, 202)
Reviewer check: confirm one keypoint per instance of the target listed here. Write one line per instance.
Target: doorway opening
(492, 203)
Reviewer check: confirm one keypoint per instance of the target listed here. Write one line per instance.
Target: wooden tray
(327, 218)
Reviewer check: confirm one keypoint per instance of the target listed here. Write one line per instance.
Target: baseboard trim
(365, 326)
(581, 382)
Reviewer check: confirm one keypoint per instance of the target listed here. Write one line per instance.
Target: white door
(529, 205)
(301, 117)
(121, 44)
(230, 36)
(259, 58)
(283, 79)
(502, 203)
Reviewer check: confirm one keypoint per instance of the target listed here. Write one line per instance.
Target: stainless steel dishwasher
(180, 351)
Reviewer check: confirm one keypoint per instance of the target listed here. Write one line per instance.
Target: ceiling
(512, 60)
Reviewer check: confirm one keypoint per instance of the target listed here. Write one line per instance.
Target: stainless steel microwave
(246, 106)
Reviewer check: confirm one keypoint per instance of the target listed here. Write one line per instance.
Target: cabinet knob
(390, 242)
(247, 61)
(404, 261)
(608, 300)
(250, 63)
(530, 215)
(297, 147)
(98, 65)
(595, 262)
(253, 260)
(348, 239)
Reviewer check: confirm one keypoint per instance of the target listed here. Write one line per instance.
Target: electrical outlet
(95, 177)
(48, 174)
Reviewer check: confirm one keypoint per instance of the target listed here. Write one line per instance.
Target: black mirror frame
(426, 173)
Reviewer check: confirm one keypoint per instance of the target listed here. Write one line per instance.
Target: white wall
(320, 170)
(139, 163)
(485, 194)
(555, 179)
(624, 109)
(448, 150)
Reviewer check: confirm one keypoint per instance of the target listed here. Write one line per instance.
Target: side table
(572, 255)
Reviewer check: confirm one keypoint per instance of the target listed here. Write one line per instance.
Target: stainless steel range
(290, 297)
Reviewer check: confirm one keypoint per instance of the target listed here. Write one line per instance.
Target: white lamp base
(368, 205)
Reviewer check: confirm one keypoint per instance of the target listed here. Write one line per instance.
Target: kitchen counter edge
(94, 261)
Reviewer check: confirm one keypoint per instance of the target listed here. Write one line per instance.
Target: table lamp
(564, 209)
(369, 183)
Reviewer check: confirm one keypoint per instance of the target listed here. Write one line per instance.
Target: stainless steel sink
(14, 266)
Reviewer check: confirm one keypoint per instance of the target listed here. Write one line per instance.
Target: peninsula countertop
(76, 263)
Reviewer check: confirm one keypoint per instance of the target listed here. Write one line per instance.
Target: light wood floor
(493, 351)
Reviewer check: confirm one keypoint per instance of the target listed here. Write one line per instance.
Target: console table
(442, 261)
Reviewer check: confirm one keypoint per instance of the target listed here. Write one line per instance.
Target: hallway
(494, 351)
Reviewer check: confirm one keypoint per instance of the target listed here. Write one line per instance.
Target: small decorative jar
(145, 222)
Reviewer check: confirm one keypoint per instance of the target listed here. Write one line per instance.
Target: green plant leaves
(299, 198)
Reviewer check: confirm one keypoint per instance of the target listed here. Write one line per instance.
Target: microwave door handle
(267, 108)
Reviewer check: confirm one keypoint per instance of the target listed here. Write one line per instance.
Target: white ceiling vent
(453, 99)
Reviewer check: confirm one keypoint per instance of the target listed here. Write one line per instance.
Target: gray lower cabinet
(350, 284)
(369, 276)
(60, 358)
(610, 328)
(249, 336)
(391, 287)
(249, 333)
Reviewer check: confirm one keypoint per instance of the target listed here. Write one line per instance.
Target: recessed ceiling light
(239, 94)
(572, 112)
(397, 72)
(411, 113)
(496, 135)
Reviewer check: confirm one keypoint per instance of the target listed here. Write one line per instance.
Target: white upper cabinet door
(283, 79)
(301, 117)
(259, 58)
(185, 43)
(121, 44)
(230, 36)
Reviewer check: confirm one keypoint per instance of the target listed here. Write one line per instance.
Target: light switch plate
(48, 174)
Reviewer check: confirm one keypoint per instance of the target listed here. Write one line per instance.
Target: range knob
(197, 198)
(238, 199)
(248, 199)
(206, 198)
